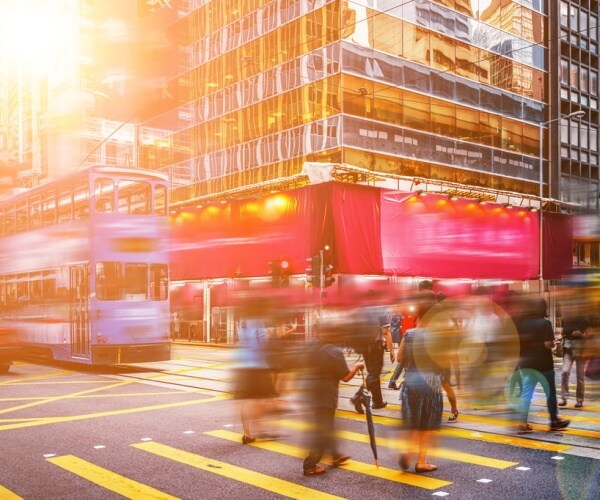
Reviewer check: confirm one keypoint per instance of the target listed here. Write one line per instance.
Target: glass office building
(447, 90)
(575, 43)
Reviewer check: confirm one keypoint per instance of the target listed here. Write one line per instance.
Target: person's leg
(374, 366)
(395, 376)
(549, 386)
(580, 375)
(566, 371)
(247, 414)
(318, 441)
(451, 397)
(530, 380)
(422, 464)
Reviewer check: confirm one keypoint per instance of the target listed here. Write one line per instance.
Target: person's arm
(549, 339)
(350, 375)
(401, 349)
(388, 341)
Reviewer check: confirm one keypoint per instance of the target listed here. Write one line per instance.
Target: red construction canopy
(370, 231)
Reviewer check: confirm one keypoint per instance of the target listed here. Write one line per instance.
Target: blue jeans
(530, 379)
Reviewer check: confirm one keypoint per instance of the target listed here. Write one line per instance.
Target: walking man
(536, 364)
(328, 367)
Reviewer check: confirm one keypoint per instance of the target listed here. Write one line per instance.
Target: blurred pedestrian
(575, 331)
(327, 367)
(396, 333)
(373, 353)
(254, 382)
(536, 364)
(421, 393)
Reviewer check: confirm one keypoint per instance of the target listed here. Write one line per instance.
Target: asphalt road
(171, 430)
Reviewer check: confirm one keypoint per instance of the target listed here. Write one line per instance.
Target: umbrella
(364, 399)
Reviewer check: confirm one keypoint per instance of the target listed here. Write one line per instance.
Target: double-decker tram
(84, 267)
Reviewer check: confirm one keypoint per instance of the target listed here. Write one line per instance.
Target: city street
(172, 430)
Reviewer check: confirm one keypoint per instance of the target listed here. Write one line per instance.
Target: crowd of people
(490, 350)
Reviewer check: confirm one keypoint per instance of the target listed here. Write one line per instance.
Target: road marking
(467, 433)
(64, 396)
(127, 395)
(353, 465)
(126, 411)
(247, 476)
(37, 377)
(399, 444)
(108, 479)
(8, 495)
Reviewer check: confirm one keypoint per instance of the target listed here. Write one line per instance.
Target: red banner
(435, 236)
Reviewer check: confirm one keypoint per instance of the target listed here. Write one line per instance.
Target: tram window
(21, 216)
(159, 282)
(134, 197)
(11, 293)
(81, 204)
(104, 193)
(10, 220)
(22, 290)
(160, 200)
(35, 213)
(48, 287)
(108, 281)
(36, 288)
(135, 282)
(49, 209)
(65, 207)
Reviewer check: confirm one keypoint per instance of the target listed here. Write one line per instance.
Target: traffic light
(275, 273)
(328, 278)
(313, 271)
(284, 273)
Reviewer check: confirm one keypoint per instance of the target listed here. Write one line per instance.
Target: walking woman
(421, 394)
(574, 334)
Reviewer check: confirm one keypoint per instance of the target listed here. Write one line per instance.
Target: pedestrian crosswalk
(263, 481)
(222, 464)
(108, 479)
(353, 465)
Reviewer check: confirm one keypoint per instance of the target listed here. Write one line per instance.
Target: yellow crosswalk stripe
(487, 437)
(108, 479)
(8, 495)
(399, 444)
(352, 465)
(269, 483)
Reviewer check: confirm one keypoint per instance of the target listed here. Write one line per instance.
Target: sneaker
(579, 405)
(392, 385)
(563, 402)
(340, 459)
(379, 406)
(453, 418)
(559, 424)
(314, 472)
(524, 429)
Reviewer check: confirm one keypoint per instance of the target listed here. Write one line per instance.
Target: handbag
(559, 348)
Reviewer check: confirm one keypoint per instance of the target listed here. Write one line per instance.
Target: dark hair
(426, 285)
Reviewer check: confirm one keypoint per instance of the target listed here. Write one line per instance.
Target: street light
(543, 125)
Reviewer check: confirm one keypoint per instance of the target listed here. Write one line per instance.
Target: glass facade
(575, 88)
(448, 89)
